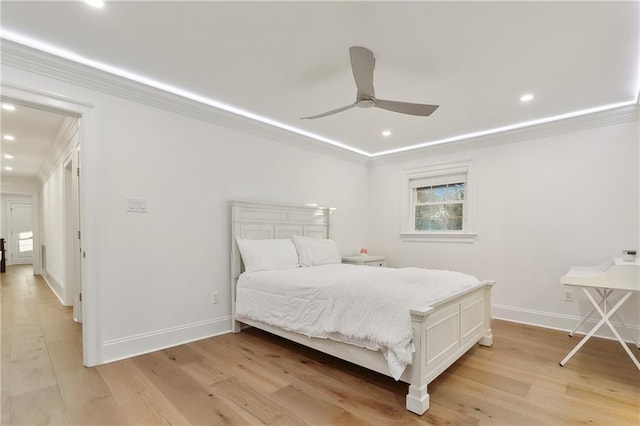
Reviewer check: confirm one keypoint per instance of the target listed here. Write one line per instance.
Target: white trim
(33, 55)
(35, 206)
(439, 237)
(89, 202)
(54, 285)
(438, 178)
(61, 149)
(630, 333)
(138, 344)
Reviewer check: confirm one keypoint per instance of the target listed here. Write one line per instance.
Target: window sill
(439, 237)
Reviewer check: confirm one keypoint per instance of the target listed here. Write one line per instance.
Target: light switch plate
(137, 205)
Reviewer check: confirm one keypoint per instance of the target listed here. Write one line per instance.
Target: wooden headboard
(258, 220)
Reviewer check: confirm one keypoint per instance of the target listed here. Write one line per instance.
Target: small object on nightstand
(364, 252)
(365, 260)
(629, 255)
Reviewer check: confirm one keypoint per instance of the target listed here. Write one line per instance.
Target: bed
(439, 330)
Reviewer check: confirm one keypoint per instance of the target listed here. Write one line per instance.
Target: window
(439, 207)
(25, 242)
(439, 203)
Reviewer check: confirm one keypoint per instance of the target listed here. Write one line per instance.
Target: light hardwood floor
(256, 378)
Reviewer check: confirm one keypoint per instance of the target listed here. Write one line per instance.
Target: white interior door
(20, 233)
(77, 303)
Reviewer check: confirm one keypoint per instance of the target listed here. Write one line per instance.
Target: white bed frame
(441, 333)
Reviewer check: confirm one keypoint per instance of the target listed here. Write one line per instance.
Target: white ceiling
(35, 131)
(287, 60)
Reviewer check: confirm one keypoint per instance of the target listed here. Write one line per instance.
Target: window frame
(441, 173)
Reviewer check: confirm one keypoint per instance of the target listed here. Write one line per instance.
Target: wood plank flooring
(254, 378)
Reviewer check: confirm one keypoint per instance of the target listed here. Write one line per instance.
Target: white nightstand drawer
(378, 261)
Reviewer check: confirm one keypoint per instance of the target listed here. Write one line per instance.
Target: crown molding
(569, 125)
(29, 59)
(61, 147)
(36, 61)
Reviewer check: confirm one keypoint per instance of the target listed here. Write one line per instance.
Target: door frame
(71, 233)
(88, 203)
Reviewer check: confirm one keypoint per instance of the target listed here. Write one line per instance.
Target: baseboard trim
(629, 332)
(139, 344)
(55, 286)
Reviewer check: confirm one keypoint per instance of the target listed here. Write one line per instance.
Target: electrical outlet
(568, 295)
(215, 297)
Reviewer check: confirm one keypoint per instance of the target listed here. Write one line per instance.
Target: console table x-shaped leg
(605, 315)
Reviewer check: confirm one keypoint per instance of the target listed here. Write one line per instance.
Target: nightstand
(364, 260)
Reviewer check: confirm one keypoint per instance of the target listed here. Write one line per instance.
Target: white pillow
(267, 255)
(313, 252)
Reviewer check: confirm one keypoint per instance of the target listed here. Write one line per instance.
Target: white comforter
(362, 305)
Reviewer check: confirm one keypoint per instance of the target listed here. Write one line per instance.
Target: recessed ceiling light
(386, 133)
(8, 168)
(526, 97)
(8, 156)
(9, 138)
(8, 107)
(95, 3)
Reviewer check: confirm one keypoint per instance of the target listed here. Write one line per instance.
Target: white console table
(615, 275)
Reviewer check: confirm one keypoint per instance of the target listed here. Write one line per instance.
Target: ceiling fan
(362, 65)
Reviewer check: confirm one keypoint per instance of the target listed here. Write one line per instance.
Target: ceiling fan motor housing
(366, 102)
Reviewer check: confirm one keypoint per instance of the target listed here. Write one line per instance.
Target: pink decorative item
(363, 252)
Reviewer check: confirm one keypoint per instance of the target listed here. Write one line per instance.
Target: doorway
(85, 210)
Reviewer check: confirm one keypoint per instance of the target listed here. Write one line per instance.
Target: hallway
(43, 379)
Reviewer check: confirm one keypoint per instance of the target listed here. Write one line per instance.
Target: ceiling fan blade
(324, 114)
(362, 65)
(406, 107)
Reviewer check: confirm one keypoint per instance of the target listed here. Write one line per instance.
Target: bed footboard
(442, 333)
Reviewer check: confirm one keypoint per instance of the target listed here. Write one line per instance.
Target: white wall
(156, 271)
(543, 205)
(52, 222)
(53, 210)
(51, 236)
(160, 268)
(19, 185)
